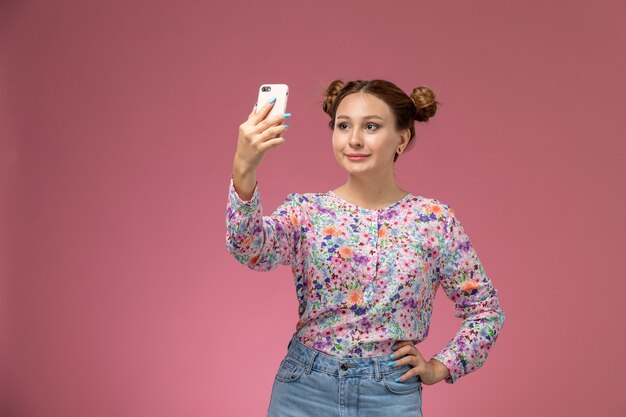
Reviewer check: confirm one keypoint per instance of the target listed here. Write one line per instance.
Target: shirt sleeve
(257, 241)
(464, 281)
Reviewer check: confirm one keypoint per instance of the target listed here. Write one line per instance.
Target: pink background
(118, 130)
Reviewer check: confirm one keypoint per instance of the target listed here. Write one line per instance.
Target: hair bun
(425, 103)
(331, 93)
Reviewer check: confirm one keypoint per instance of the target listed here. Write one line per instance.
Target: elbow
(237, 250)
(502, 318)
(254, 261)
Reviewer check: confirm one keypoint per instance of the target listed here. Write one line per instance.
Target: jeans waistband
(314, 359)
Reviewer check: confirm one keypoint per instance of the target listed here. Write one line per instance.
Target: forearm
(244, 180)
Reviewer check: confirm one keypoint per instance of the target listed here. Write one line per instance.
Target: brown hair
(420, 105)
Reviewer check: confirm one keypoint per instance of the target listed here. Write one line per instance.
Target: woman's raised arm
(256, 136)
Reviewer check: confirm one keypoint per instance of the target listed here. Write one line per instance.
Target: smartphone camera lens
(266, 88)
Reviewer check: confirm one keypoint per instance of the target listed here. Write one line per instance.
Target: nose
(355, 138)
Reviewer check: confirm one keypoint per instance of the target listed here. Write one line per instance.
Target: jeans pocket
(407, 386)
(289, 370)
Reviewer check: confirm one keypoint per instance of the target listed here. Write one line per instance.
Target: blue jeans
(311, 383)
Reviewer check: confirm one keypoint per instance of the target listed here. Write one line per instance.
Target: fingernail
(394, 347)
(273, 99)
(287, 115)
(392, 363)
(398, 379)
(286, 126)
(393, 356)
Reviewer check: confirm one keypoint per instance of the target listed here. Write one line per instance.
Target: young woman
(367, 259)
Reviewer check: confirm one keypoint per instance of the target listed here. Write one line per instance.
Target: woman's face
(365, 138)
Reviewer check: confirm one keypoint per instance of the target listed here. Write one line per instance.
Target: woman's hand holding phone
(256, 136)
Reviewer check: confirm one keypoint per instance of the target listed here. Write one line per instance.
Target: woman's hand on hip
(256, 136)
(429, 372)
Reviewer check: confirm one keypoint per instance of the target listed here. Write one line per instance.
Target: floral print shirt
(366, 278)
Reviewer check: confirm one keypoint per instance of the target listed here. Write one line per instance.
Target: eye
(341, 125)
(372, 126)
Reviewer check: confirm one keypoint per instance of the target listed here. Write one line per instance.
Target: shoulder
(313, 200)
(445, 209)
(304, 197)
(306, 201)
(430, 207)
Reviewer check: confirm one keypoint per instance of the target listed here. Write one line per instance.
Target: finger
(408, 374)
(272, 143)
(402, 350)
(408, 359)
(262, 112)
(272, 132)
(269, 123)
(406, 356)
(400, 343)
(253, 112)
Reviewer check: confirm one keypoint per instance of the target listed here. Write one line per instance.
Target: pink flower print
(341, 331)
(335, 281)
(466, 260)
(429, 243)
(456, 234)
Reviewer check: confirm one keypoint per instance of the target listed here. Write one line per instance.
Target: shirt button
(344, 366)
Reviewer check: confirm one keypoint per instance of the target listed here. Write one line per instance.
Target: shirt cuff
(244, 206)
(452, 362)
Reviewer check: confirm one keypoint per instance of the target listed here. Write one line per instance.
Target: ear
(405, 135)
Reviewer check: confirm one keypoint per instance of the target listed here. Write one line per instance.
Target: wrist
(242, 169)
(440, 371)
(244, 181)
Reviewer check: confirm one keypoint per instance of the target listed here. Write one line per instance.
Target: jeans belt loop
(377, 371)
(309, 365)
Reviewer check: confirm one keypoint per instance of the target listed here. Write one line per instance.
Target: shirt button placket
(376, 242)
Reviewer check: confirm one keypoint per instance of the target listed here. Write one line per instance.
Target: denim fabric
(311, 383)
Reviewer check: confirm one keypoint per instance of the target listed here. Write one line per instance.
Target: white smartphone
(269, 91)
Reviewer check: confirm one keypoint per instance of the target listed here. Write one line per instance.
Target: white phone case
(268, 91)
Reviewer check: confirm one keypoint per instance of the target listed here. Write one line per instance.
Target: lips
(356, 157)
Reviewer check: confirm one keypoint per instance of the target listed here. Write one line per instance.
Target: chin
(357, 171)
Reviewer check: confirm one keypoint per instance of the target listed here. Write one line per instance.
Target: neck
(372, 190)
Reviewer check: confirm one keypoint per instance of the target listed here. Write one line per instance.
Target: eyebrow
(373, 116)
